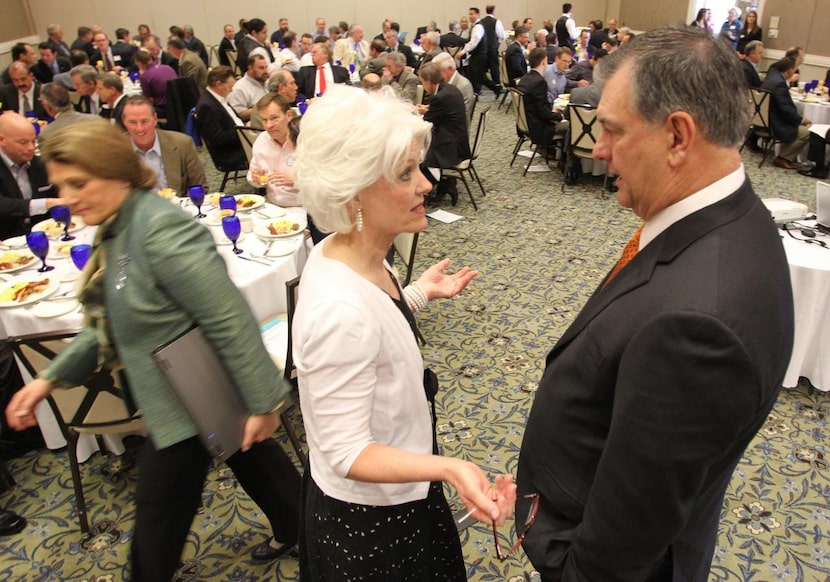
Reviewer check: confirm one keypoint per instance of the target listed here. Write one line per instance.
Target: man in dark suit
(514, 57)
(54, 32)
(543, 122)
(84, 41)
(753, 53)
(651, 396)
(228, 43)
(110, 91)
(194, 44)
(55, 98)
(170, 153)
(216, 120)
(50, 64)
(393, 45)
(85, 82)
(23, 95)
(22, 52)
(122, 49)
(786, 123)
(309, 81)
(25, 192)
(450, 142)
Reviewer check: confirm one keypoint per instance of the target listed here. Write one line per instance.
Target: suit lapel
(663, 249)
(10, 189)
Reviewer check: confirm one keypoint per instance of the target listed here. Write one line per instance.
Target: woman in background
(751, 31)
(374, 506)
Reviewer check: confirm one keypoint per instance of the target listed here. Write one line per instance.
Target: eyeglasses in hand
(533, 511)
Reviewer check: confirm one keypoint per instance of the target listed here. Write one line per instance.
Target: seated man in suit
(785, 121)
(400, 77)
(23, 94)
(85, 82)
(352, 50)
(50, 64)
(25, 192)
(217, 121)
(582, 73)
(377, 58)
(450, 137)
(110, 91)
(452, 77)
(104, 57)
(190, 63)
(753, 53)
(543, 122)
(122, 49)
(393, 45)
(194, 44)
(651, 396)
(22, 52)
(170, 154)
(56, 101)
(283, 84)
(228, 43)
(313, 80)
(430, 42)
(514, 57)
(84, 41)
(76, 58)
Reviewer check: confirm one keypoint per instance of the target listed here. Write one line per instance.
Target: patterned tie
(27, 105)
(628, 253)
(322, 83)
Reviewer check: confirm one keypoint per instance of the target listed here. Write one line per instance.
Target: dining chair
(247, 137)
(405, 245)
(419, 94)
(182, 96)
(467, 165)
(213, 55)
(521, 123)
(190, 128)
(760, 99)
(506, 81)
(292, 289)
(583, 135)
(96, 408)
(231, 56)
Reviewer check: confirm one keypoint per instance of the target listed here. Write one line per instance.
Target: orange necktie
(322, 82)
(628, 253)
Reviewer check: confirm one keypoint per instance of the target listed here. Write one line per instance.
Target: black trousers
(478, 73)
(169, 492)
(817, 153)
(493, 65)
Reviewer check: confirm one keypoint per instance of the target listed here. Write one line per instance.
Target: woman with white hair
(374, 504)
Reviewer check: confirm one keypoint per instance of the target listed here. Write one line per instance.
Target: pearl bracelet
(416, 298)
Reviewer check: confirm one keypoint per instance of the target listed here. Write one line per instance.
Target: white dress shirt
(224, 103)
(269, 155)
(21, 176)
(152, 159)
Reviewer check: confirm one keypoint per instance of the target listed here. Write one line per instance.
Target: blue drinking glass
(197, 196)
(39, 245)
(80, 255)
(351, 68)
(302, 106)
(232, 228)
(227, 202)
(62, 215)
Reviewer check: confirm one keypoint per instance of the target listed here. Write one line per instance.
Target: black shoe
(813, 174)
(265, 552)
(10, 523)
(498, 91)
(754, 147)
(452, 189)
(611, 185)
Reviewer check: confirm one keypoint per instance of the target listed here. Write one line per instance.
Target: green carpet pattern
(541, 253)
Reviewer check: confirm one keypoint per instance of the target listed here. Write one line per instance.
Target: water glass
(39, 245)
(227, 202)
(62, 215)
(232, 227)
(197, 196)
(80, 255)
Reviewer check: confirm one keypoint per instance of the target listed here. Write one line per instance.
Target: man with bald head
(23, 94)
(25, 192)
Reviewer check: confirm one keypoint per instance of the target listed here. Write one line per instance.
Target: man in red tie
(103, 55)
(313, 80)
(651, 396)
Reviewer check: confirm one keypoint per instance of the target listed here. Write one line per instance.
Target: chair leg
(292, 436)
(768, 145)
(530, 161)
(504, 98)
(224, 181)
(75, 469)
(474, 174)
(516, 150)
(469, 192)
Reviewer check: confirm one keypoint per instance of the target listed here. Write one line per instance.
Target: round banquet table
(815, 108)
(810, 275)
(261, 281)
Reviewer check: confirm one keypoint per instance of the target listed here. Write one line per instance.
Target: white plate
(54, 283)
(16, 242)
(220, 239)
(261, 230)
(271, 211)
(60, 249)
(68, 273)
(46, 309)
(55, 230)
(281, 248)
(256, 200)
(213, 218)
(21, 254)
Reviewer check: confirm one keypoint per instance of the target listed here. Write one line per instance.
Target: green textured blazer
(163, 275)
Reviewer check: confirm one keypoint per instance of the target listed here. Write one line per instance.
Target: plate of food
(55, 230)
(15, 242)
(61, 250)
(11, 261)
(279, 228)
(249, 201)
(214, 217)
(213, 198)
(29, 290)
(167, 193)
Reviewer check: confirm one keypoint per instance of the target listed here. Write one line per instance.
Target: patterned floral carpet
(541, 252)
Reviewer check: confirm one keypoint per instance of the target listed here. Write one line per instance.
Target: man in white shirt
(23, 94)
(352, 50)
(566, 31)
(320, 29)
(248, 90)
(272, 163)
(477, 51)
(494, 30)
(287, 58)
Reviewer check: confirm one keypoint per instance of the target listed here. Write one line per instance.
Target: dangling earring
(359, 220)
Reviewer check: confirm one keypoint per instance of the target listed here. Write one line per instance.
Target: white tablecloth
(810, 276)
(817, 111)
(263, 286)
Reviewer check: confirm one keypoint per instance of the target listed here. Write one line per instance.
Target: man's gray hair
(188, 29)
(753, 46)
(433, 37)
(398, 59)
(52, 29)
(444, 60)
(88, 73)
(685, 69)
(277, 79)
(56, 95)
